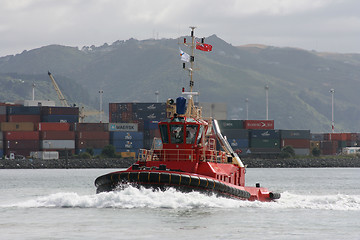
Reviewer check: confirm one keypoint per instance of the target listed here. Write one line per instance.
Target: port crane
(64, 103)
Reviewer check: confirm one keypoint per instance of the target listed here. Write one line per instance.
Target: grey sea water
(321, 203)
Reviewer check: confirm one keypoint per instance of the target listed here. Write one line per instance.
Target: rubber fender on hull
(181, 181)
(273, 195)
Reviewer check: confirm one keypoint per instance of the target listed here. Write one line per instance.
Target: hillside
(133, 70)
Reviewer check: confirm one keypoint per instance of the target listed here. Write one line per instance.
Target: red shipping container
(93, 135)
(258, 124)
(91, 143)
(22, 144)
(59, 111)
(21, 135)
(296, 143)
(53, 126)
(24, 118)
(2, 118)
(340, 136)
(57, 135)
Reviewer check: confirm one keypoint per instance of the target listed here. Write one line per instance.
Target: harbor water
(316, 203)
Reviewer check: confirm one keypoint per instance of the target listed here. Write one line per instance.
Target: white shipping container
(123, 127)
(351, 150)
(302, 151)
(45, 155)
(57, 144)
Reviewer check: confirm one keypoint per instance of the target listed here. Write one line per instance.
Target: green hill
(133, 70)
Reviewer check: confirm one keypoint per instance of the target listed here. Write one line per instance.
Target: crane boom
(59, 93)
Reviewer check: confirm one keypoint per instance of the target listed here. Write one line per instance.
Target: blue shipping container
(23, 110)
(1, 153)
(126, 136)
(238, 143)
(60, 118)
(128, 144)
(151, 124)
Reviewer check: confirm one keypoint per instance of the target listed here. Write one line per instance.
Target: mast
(191, 110)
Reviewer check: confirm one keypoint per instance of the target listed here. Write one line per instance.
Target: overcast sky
(322, 25)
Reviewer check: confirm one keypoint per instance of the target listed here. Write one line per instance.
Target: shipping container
(264, 134)
(150, 134)
(151, 124)
(295, 134)
(126, 136)
(128, 154)
(152, 116)
(3, 118)
(317, 136)
(123, 127)
(127, 144)
(265, 143)
(59, 111)
(264, 151)
(302, 151)
(91, 143)
(24, 118)
(236, 133)
(315, 144)
(57, 135)
(17, 126)
(120, 151)
(328, 147)
(148, 107)
(2, 110)
(17, 153)
(22, 144)
(57, 144)
(90, 127)
(60, 118)
(21, 135)
(340, 136)
(230, 124)
(296, 143)
(351, 150)
(92, 135)
(1, 153)
(23, 110)
(53, 126)
(238, 143)
(45, 155)
(1, 144)
(259, 124)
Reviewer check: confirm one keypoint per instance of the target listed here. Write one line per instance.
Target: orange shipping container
(296, 143)
(16, 126)
(53, 126)
(57, 135)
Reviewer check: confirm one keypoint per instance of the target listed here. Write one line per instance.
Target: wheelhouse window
(200, 134)
(191, 133)
(164, 133)
(177, 133)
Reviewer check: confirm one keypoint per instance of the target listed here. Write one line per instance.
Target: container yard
(33, 130)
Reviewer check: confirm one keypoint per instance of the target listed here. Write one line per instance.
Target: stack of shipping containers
(56, 136)
(91, 135)
(126, 138)
(60, 114)
(237, 136)
(298, 139)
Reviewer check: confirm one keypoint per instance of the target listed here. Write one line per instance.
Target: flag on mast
(203, 47)
(184, 56)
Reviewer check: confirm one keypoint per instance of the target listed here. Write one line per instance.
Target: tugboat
(188, 159)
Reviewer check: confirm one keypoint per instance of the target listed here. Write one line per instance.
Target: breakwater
(126, 162)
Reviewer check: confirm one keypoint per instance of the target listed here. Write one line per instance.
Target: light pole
(101, 94)
(247, 108)
(157, 96)
(267, 101)
(332, 91)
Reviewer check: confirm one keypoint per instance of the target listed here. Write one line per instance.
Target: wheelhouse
(182, 132)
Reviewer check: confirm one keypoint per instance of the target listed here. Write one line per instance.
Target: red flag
(203, 47)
